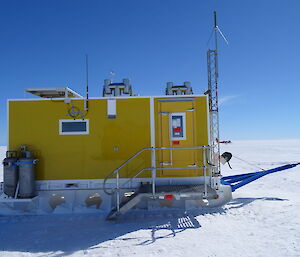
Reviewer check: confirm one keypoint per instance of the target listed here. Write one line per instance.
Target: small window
(73, 127)
(177, 126)
(111, 109)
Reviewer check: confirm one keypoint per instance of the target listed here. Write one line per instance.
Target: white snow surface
(262, 220)
(2, 156)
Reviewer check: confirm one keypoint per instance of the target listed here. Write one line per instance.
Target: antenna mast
(216, 30)
(213, 75)
(86, 104)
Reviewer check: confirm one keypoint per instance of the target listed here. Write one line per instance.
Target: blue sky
(43, 44)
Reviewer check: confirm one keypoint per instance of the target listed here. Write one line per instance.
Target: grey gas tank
(26, 175)
(10, 173)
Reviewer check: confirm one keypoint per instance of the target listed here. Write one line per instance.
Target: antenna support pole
(215, 19)
(213, 75)
(86, 102)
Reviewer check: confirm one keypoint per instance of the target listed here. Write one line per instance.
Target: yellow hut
(107, 151)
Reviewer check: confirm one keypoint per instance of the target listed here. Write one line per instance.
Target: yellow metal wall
(36, 124)
(195, 109)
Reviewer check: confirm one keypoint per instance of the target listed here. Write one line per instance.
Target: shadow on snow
(241, 202)
(61, 235)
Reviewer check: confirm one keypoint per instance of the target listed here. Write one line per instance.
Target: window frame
(111, 109)
(184, 127)
(74, 132)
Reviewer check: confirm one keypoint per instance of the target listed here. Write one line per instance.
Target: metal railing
(116, 172)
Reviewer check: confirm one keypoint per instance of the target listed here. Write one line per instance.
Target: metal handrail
(116, 171)
(124, 163)
(173, 168)
(120, 167)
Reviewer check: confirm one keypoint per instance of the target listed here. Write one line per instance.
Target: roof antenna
(112, 74)
(215, 31)
(86, 102)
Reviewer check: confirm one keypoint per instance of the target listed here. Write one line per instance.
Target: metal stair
(127, 204)
(152, 190)
(145, 191)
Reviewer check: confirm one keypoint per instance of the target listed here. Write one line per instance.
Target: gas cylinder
(26, 174)
(10, 173)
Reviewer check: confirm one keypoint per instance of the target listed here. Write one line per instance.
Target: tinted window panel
(177, 126)
(74, 126)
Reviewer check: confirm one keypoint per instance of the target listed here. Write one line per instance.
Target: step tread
(146, 189)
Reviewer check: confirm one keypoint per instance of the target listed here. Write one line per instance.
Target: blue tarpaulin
(237, 181)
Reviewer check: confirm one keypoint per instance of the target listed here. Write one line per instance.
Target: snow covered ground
(2, 156)
(262, 220)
